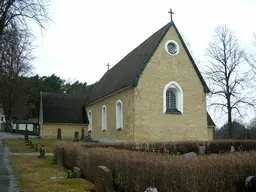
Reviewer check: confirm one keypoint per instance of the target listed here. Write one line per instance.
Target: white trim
(177, 45)
(104, 118)
(179, 95)
(90, 120)
(121, 115)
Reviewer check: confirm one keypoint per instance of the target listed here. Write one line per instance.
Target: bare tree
(227, 74)
(252, 58)
(15, 62)
(21, 12)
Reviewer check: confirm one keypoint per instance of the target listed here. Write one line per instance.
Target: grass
(34, 177)
(19, 146)
(49, 143)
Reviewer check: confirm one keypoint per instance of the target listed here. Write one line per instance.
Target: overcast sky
(86, 35)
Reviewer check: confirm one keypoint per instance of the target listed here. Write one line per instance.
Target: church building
(155, 93)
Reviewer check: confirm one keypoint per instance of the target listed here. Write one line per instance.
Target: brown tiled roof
(209, 120)
(63, 108)
(127, 71)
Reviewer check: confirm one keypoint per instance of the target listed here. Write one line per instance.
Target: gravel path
(7, 179)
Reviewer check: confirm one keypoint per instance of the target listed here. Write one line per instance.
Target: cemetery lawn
(34, 176)
(19, 145)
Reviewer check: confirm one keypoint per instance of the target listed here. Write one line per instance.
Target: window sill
(173, 111)
(119, 129)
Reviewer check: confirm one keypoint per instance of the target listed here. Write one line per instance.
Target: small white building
(21, 125)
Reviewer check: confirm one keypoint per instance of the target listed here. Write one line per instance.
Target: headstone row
(76, 135)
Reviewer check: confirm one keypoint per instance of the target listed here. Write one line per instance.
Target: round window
(172, 47)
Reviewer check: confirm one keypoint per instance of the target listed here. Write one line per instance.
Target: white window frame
(104, 118)
(177, 46)
(90, 121)
(121, 115)
(179, 95)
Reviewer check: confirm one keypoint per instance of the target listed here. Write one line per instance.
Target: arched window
(173, 98)
(90, 121)
(170, 99)
(119, 115)
(104, 118)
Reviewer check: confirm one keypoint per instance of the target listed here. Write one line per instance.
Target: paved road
(7, 180)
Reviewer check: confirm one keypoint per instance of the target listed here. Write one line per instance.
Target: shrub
(135, 171)
(216, 146)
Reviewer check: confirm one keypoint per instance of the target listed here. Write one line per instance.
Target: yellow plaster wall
(67, 130)
(210, 133)
(151, 124)
(127, 98)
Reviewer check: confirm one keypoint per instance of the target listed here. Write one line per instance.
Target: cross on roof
(108, 66)
(171, 13)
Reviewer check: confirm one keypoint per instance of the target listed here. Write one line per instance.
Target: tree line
(240, 130)
(26, 103)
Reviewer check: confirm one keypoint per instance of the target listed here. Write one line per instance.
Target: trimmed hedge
(216, 146)
(135, 171)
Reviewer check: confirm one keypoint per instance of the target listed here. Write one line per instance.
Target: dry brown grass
(33, 175)
(135, 171)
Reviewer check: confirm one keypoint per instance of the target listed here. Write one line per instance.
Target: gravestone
(76, 172)
(60, 156)
(36, 147)
(88, 138)
(26, 134)
(232, 149)
(59, 133)
(76, 138)
(151, 189)
(82, 134)
(189, 155)
(31, 145)
(103, 179)
(202, 150)
(250, 184)
(29, 142)
(42, 151)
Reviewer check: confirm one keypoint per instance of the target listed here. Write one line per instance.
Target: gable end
(136, 79)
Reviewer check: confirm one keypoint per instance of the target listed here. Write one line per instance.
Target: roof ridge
(127, 71)
(119, 62)
(132, 61)
(137, 76)
(62, 94)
